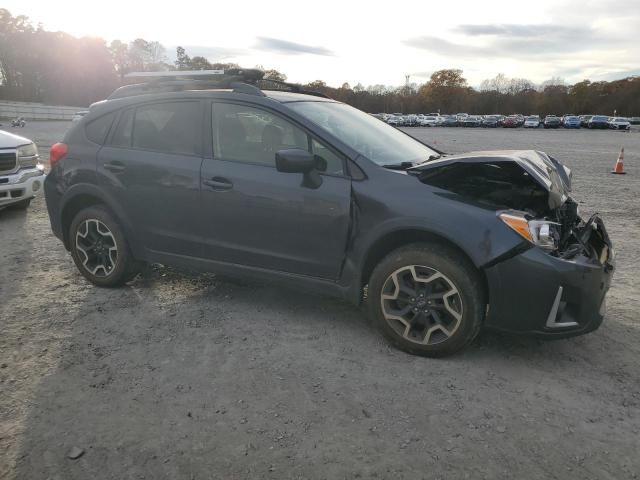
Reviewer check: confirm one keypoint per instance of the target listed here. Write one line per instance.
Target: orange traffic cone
(618, 168)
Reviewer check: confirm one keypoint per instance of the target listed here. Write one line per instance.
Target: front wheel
(426, 300)
(99, 248)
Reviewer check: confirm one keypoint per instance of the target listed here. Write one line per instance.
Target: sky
(373, 42)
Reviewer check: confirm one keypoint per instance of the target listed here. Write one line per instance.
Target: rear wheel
(99, 248)
(426, 300)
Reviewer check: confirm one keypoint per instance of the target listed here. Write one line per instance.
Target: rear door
(254, 215)
(151, 166)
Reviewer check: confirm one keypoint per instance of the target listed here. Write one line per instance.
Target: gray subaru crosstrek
(232, 174)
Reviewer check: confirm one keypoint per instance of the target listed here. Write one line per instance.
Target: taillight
(57, 151)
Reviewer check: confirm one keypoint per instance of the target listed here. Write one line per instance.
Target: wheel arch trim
(72, 202)
(391, 239)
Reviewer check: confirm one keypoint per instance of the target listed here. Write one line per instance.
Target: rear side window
(97, 129)
(168, 127)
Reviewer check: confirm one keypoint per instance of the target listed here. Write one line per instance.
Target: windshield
(381, 143)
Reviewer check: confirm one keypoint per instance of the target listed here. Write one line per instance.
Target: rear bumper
(53, 198)
(24, 184)
(538, 294)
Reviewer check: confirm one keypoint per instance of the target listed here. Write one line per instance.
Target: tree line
(37, 65)
(447, 91)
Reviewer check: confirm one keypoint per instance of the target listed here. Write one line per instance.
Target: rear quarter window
(97, 130)
(122, 134)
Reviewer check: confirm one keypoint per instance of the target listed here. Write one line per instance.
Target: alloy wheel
(96, 247)
(421, 304)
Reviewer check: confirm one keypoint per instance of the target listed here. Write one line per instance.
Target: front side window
(326, 160)
(168, 127)
(249, 135)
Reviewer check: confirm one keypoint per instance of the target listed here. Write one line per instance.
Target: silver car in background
(21, 173)
(620, 123)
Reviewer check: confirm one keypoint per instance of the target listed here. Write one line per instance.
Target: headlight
(542, 233)
(29, 150)
(28, 155)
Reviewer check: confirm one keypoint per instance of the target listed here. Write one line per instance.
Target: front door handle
(115, 167)
(219, 183)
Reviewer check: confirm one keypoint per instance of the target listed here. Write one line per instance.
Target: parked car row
(507, 121)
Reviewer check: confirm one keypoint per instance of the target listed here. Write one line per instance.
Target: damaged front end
(529, 190)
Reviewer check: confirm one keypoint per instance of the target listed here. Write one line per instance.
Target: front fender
(475, 231)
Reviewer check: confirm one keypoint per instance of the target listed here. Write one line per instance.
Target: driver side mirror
(296, 160)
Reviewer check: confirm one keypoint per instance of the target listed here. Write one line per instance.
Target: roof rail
(175, 74)
(289, 87)
(247, 74)
(241, 80)
(247, 88)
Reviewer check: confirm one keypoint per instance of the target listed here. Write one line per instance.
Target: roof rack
(287, 87)
(248, 81)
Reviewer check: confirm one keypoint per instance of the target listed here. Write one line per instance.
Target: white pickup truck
(21, 173)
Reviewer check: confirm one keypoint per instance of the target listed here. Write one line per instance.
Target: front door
(254, 215)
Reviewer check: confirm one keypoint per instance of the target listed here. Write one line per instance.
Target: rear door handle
(219, 183)
(115, 167)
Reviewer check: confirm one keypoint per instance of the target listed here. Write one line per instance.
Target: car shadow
(9, 213)
(179, 376)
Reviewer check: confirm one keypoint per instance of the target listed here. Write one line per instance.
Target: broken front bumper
(537, 293)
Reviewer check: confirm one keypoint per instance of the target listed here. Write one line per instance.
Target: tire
(108, 267)
(22, 204)
(450, 306)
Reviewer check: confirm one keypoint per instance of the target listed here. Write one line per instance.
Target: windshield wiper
(405, 165)
(399, 166)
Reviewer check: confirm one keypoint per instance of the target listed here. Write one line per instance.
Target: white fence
(36, 111)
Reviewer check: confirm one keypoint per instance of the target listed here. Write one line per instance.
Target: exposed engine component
(507, 185)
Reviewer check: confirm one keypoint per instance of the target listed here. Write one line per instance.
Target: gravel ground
(197, 377)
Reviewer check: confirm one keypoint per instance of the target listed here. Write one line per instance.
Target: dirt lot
(185, 377)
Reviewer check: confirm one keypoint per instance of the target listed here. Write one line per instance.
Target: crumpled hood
(9, 140)
(544, 169)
